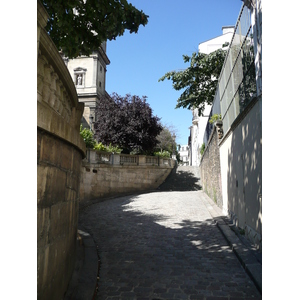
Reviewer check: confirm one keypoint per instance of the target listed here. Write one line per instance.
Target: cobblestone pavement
(163, 245)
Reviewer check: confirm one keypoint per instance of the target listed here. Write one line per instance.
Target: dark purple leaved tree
(127, 122)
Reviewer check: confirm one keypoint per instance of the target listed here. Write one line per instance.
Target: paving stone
(164, 245)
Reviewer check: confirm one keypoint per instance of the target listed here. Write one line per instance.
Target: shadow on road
(181, 181)
(148, 253)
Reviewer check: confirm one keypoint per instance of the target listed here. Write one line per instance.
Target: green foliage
(215, 118)
(88, 137)
(199, 80)
(113, 149)
(202, 148)
(166, 139)
(163, 154)
(79, 27)
(100, 147)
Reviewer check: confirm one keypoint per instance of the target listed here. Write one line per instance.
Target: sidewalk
(249, 257)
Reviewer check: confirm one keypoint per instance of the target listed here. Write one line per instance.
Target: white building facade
(184, 155)
(199, 123)
(89, 76)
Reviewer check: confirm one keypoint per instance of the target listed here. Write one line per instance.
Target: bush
(214, 118)
(202, 148)
(100, 147)
(114, 149)
(88, 137)
(163, 154)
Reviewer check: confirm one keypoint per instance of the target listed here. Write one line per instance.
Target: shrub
(163, 154)
(88, 137)
(114, 149)
(202, 148)
(214, 118)
(100, 147)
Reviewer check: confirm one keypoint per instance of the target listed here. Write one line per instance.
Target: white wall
(199, 123)
(241, 172)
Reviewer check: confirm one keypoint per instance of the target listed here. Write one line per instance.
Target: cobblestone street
(163, 245)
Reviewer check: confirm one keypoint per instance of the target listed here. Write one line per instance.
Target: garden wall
(106, 175)
(210, 169)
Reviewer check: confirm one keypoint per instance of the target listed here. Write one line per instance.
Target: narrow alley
(164, 245)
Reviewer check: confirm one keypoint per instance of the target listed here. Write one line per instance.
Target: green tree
(199, 80)
(88, 137)
(166, 140)
(77, 27)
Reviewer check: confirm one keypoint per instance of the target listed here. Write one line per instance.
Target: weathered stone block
(43, 219)
(50, 149)
(70, 195)
(72, 180)
(52, 187)
(66, 156)
(59, 220)
(41, 181)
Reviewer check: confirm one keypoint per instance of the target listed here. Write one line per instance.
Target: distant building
(184, 155)
(89, 76)
(199, 123)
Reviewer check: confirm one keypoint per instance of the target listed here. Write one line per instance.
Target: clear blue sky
(174, 28)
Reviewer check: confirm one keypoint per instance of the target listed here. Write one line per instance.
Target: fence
(237, 83)
(102, 157)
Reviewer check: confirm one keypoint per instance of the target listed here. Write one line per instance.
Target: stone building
(199, 123)
(89, 76)
(184, 154)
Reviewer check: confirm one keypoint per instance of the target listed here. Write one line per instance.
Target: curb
(83, 284)
(244, 253)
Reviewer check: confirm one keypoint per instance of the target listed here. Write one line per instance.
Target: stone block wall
(210, 170)
(100, 180)
(60, 151)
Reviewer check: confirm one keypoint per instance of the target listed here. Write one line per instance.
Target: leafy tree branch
(77, 27)
(199, 80)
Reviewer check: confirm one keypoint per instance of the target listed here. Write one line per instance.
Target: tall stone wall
(101, 180)
(60, 151)
(210, 169)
